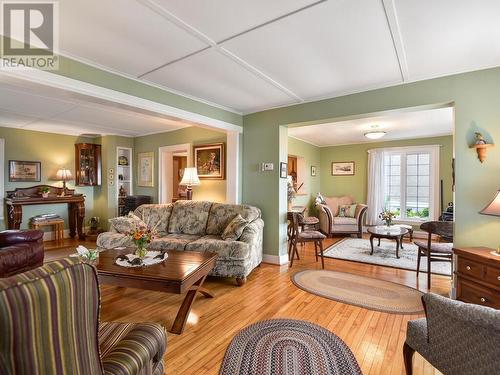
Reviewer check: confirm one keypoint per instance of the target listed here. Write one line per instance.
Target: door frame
(165, 169)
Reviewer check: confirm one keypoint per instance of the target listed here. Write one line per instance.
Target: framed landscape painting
(209, 161)
(145, 164)
(343, 168)
(24, 171)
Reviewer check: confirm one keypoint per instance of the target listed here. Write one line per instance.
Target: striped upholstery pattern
(48, 321)
(49, 325)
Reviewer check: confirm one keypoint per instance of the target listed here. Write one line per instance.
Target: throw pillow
(234, 229)
(347, 210)
(124, 224)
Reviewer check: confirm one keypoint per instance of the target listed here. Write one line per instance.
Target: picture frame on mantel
(210, 161)
(25, 171)
(145, 169)
(343, 168)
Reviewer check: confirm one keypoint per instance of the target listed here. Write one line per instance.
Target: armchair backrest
(49, 320)
(335, 202)
(465, 336)
(441, 228)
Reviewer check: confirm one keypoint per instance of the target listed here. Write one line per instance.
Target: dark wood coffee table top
(179, 271)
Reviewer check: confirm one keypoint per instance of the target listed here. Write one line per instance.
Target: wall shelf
(126, 172)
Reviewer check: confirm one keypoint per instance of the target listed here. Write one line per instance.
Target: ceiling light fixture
(376, 134)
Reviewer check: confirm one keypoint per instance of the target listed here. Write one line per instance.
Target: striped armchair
(49, 319)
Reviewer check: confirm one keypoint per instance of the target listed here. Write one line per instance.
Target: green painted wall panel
(476, 100)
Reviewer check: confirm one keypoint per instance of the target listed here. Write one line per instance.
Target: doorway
(172, 161)
(179, 163)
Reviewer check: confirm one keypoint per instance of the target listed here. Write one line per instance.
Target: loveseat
(198, 226)
(331, 222)
(20, 251)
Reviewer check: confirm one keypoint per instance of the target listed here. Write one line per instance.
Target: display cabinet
(87, 164)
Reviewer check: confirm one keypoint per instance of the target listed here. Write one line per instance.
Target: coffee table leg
(401, 242)
(371, 244)
(398, 243)
(185, 309)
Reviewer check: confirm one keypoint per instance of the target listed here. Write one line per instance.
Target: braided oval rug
(288, 347)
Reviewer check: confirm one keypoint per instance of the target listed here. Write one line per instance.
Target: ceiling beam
(397, 39)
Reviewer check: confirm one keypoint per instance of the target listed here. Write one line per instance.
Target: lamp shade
(64, 174)
(493, 208)
(190, 177)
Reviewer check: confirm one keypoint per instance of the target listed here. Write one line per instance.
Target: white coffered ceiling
(397, 125)
(252, 55)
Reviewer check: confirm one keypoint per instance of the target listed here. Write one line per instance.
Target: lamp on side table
(190, 179)
(493, 209)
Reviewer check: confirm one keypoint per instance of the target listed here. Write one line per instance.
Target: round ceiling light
(375, 134)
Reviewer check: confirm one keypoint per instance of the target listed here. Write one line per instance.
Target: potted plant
(45, 191)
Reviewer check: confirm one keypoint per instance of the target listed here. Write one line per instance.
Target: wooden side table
(58, 227)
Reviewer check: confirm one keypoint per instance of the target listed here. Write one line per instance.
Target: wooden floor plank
(376, 338)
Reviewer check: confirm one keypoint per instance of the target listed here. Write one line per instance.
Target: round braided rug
(288, 347)
(367, 292)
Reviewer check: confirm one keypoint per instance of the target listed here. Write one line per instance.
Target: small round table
(391, 233)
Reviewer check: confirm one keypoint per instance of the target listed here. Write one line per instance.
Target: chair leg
(408, 352)
(418, 261)
(322, 258)
(316, 250)
(294, 250)
(428, 271)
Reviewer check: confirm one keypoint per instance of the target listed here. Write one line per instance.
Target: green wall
(212, 190)
(311, 155)
(475, 97)
(53, 151)
(357, 185)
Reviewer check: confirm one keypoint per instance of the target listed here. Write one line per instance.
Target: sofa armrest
(360, 214)
(253, 235)
(13, 237)
(325, 216)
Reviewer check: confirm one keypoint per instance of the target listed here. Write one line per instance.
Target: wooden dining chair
(435, 251)
(304, 237)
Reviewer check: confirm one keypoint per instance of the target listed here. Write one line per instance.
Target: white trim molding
(279, 260)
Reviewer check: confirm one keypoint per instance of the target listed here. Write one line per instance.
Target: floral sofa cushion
(124, 224)
(110, 240)
(155, 215)
(221, 215)
(227, 250)
(189, 217)
(174, 241)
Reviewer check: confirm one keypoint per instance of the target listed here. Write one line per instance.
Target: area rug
(367, 292)
(288, 347)
(358, 250)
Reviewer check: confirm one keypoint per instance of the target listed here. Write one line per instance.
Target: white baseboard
(279, 260)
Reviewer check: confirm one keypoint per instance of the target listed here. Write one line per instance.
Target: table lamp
(493, 209)
(64, 175)
(190, 179)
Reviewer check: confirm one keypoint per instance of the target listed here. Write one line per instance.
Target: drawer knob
(483, 300)
(468, 268)
(498, 278)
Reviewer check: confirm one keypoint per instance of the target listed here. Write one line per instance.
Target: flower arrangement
(387, 216)
(142, 236)
(87, 255)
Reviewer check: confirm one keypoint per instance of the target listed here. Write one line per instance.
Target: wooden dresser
(478, 276)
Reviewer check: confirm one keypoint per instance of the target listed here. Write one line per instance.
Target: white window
(411, 178)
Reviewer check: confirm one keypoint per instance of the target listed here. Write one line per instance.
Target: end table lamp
(493, 209)
(64, 175)
(190, 179)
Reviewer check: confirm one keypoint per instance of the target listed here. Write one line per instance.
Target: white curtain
(376, 185)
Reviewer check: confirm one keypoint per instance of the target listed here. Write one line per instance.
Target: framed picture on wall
(25, 171)
(343, 168)
(313, 170)
(209, 161)
(283, 170)
(145, 167)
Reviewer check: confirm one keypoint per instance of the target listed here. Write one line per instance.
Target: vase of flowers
(387, 216)
(141, 236)
(90, 256)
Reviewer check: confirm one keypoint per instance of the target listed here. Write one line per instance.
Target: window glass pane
(424, 159)
(423, 170)
(411, 180)
(418, 185)
(411, 159)
(411, 191)
(423, 192)
(395, 159)
(423, 181)
(411, 170)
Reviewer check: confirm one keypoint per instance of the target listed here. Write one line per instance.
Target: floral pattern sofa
(197, 226)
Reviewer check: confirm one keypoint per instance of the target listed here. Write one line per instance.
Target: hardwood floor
(375, 338)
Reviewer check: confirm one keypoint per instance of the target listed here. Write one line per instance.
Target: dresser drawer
(470, 268)
(473, 293)
(492, 276)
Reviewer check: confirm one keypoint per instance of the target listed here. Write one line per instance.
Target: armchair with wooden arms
(330, 223)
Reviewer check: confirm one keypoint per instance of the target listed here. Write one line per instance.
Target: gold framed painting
(145, 168)
(24, 171)
(209, 161)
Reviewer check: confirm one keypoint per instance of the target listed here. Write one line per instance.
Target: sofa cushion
(173, 241)
(227, 250)
(338, 220)
(335, 202)
(131, 348)
(124, 224)
(221, 215)
(347, 210)
(234, 229)
(155, 216)
(436, 247)
(189, 217)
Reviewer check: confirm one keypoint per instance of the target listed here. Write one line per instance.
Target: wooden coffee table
(392, 233)
(183, 271)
